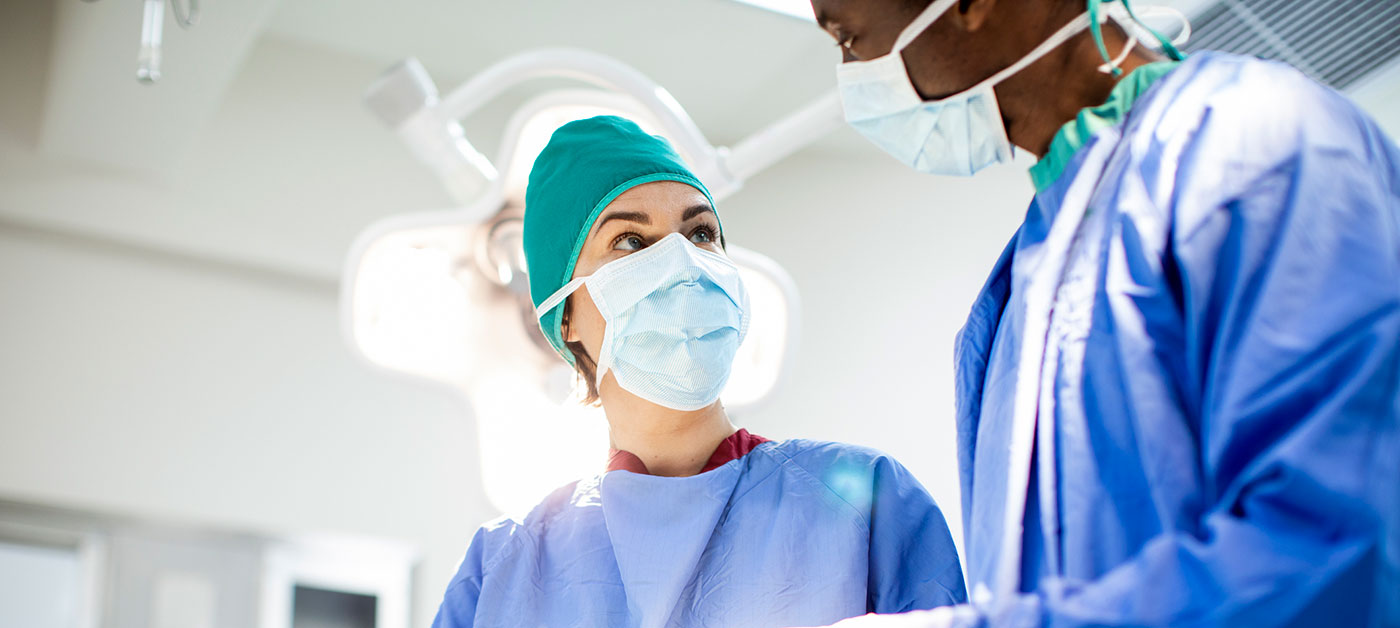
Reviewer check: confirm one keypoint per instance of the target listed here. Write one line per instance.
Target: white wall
(154, 387)
(38, 586)
(208, 383)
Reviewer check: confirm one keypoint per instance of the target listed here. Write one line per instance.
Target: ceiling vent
(1337, 43)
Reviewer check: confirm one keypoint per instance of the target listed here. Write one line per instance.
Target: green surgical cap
(586, 165)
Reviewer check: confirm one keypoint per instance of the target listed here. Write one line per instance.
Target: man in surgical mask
(1178, 393)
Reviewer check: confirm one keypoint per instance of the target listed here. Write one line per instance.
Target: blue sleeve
(458, 609)
(1289, 280)
(913, 563)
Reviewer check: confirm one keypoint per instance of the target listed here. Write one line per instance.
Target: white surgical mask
(957, 135)
(675, 315)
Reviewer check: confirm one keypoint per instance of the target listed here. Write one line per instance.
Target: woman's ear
(565, 329)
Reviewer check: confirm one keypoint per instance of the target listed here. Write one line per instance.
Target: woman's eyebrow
(637, 217)
(696, 210)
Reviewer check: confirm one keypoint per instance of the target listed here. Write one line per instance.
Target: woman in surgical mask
(694, 522)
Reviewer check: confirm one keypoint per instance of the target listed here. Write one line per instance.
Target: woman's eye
(703, 235)
(629, 242)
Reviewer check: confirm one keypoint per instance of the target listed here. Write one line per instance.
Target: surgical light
(773, 328)
(444, 296)
(412, 309)
(405, 98)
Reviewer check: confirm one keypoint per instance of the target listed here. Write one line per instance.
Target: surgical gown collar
(1076, 133)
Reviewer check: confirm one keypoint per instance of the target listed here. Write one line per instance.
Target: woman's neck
(671, 443)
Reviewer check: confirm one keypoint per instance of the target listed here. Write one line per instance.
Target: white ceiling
(733, 66)
(96, 111)
(255, 147)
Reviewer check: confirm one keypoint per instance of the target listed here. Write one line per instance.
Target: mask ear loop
(1096, 29)
(1168, 46)
(1111, 65)
(1114, 66)
(925, 19)
(555, 300)
(558, 297)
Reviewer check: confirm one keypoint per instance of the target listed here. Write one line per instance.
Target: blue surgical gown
(1178, 391)
(795, 533)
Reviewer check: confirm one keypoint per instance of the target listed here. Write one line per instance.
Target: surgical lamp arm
(770, 145)
(587, 67)
(722, 169)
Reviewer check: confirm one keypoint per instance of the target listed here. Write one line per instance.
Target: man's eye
(846, 43)
(844, 40)
(629, 242)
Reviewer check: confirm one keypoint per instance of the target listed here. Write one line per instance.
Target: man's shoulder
(1250, 109)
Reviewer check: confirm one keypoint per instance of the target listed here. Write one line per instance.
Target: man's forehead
(854, 12)
(828, 11)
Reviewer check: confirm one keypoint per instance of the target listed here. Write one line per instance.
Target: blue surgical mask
(675, 315)
(957, 135)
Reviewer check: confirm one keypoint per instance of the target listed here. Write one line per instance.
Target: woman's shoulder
(809, 452)
(851, 472)
(867, 479)
(513, 532)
